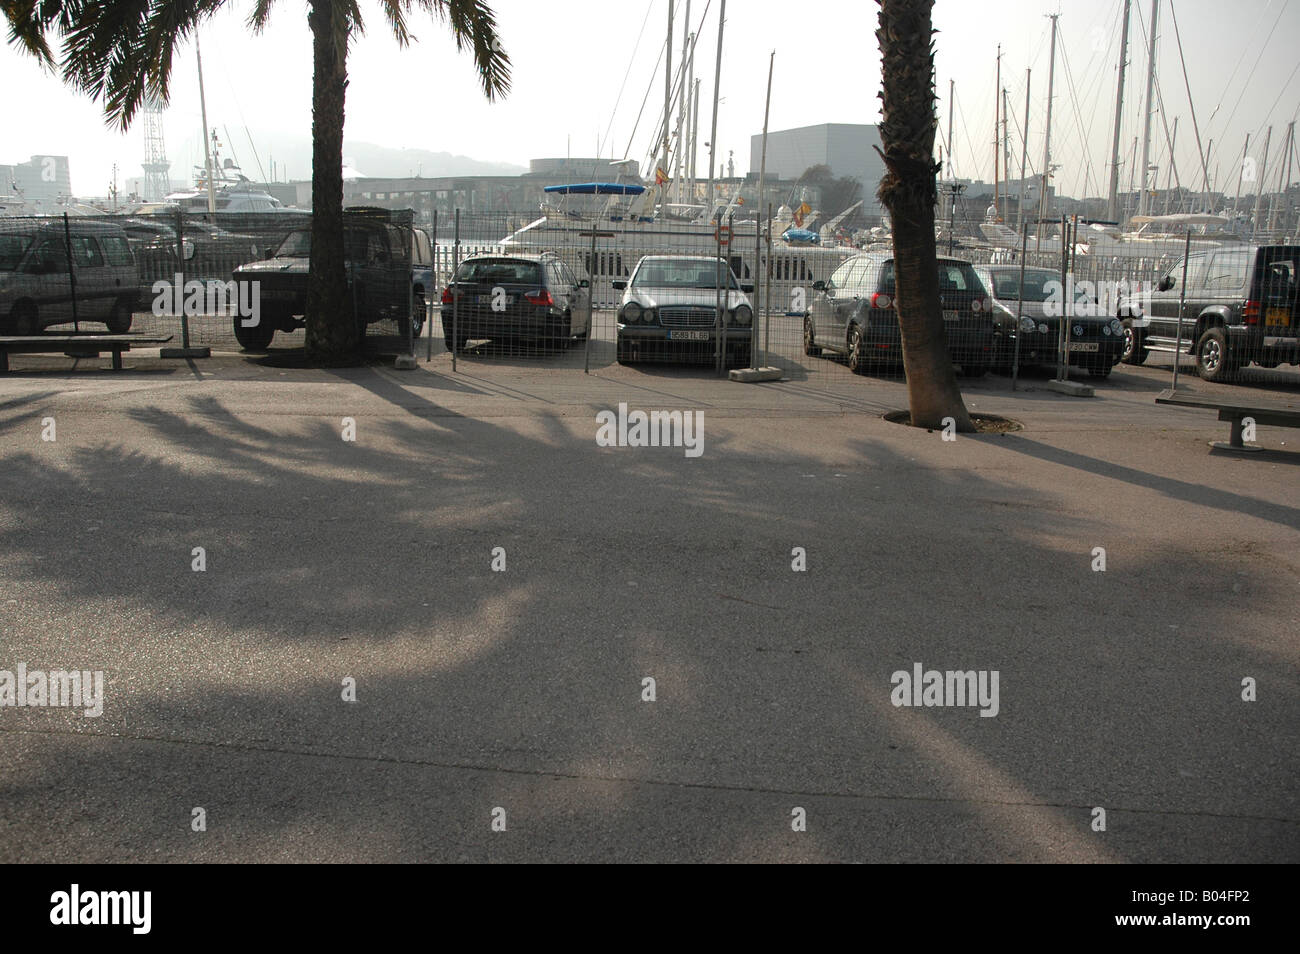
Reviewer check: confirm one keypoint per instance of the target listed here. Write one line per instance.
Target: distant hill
(293, 155)
(373, 160)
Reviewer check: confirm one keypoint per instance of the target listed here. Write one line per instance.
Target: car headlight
(743, 315)
(631, 312)
(650, 315)
(1116, 326)
(1027, 325)
(1042, 329)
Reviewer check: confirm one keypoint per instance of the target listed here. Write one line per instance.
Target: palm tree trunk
(332, 332)
(908, 191)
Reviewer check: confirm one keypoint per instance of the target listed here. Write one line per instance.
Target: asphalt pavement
(517, 697)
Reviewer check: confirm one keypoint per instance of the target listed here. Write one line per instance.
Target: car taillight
(446, 295)
(881, 301)
(542, 297)
(1251, 312)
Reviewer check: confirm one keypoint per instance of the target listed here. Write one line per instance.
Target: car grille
(680, 316)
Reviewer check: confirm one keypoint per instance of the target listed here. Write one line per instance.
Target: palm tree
(907, 125)
(121, 54)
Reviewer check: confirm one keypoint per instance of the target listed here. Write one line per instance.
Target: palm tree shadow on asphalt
(523, 689)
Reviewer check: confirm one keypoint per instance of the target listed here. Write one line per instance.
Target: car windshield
(12, 248)
(500, 271)
(682, 273)
(296, 245)
(1038, 284)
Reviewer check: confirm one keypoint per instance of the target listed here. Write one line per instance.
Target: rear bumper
(966, 344)
(513, 323)
(1277, 343)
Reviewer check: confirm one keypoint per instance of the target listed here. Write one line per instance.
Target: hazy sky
(572, 56)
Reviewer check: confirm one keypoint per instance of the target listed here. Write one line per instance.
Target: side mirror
(1166, 283)
(620, 284)
(268, 252)
(747, 287)
(819, 286)
(583, 283)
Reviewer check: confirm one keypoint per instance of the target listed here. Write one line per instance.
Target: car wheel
(1212, 358)
(415, 323)
(857, 359)
(119, 321)
(256, 338)
(563, 333)
(1134, 352)
(23, 319)
(810, 346)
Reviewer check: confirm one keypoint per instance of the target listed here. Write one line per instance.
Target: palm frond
(474, 25)
(29, 21)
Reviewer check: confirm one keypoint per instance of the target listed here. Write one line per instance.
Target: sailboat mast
(695, 133)
(668, 93)
(952, 85)
(207, 154)
(1169, 173)
(1024, 156)
(692, 104)
(717, 81)
(1006, 150)
(1282, 177)
(1259, 183)
(1143, 204)
(997, 87)
(1047, 132)
(1112, 197)
(678, 169)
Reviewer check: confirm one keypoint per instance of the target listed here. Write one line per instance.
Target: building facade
(848, 149)
(43, 182)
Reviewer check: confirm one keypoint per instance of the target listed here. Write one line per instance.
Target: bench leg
(4, 362)
(117, 366)
(1234, 442)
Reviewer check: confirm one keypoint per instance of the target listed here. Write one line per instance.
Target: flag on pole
(660, 177)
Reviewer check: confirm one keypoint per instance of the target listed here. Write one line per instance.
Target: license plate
(1084, 346)
(951, 316)
(688, 336)
(487, 299)
(1278, 316)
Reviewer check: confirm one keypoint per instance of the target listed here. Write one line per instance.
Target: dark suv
(514, 297)
(853, 313)
(1239, 306)
(389, 267)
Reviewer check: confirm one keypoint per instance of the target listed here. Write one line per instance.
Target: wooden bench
(75, 346)
(1236, 411)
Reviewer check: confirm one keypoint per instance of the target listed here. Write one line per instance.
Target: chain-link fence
(561, 290)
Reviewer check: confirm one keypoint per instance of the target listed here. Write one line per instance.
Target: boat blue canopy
(596, 188)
